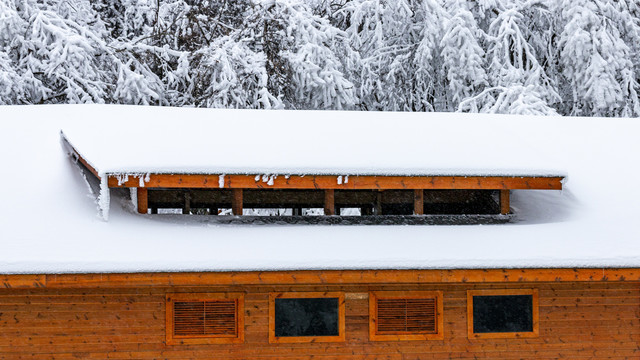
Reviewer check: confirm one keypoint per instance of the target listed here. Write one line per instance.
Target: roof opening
(274, 202)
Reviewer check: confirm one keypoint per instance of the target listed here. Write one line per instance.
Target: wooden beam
(377, 210)
(329, 202)
(76, 155)
(505, 206)
(143, 200)
(19, 281)
(236, 202)
(330, 182)
(324, 277)
(186, 208)
(418, 202)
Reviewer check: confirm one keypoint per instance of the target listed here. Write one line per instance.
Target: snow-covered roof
(49, 224)
(178, 140)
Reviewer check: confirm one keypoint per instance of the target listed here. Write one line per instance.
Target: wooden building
(558, 278)
(387, 314)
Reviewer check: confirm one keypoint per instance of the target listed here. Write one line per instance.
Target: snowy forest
(545, 57)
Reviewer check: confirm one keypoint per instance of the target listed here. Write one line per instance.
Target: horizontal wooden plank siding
(578, 320)
(208, 181)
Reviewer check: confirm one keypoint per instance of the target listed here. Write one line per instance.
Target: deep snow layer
(49, 223)
(178, 140)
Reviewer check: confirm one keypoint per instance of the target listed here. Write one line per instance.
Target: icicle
(221, 181)
(122, 178)
(104, 198)
(340, 180)
(346, 179)
(141, 180)
(133, 194)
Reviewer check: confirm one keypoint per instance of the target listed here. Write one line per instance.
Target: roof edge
(319, 277)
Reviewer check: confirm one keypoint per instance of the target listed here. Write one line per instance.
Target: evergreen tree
(596, 62)
(519, 83)
(385, 37)
(463, 56)
(579, 57)
(228, 74)
(429, 88)
(305, 55)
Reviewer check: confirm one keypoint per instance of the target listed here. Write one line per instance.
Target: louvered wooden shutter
(406, 316)
(205, 318)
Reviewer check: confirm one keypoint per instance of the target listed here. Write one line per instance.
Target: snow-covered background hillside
(568, 57)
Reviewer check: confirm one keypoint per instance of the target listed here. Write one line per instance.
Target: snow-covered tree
(463, 56)
(11, 91)
(428, 90)
(305, 55)
(228, 74)
(515, 99)
(514, 71)
(578, 57)
(385, 35)
(62, 52)
(596, 62)
(61, 55)
(11, 25)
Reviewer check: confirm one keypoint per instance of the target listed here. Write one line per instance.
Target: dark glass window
(502, 313)
(306, 317)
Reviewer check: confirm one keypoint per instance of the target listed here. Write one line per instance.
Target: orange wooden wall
(578, 320)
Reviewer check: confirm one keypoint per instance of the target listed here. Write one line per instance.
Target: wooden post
(418, 202)
(329, 202)
(378, 208)
(504, 202)
(186, 208)
(143, 200)
(236, 201)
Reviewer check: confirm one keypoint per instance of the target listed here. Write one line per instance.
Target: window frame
(535, 314)
(373, 315)
(273, 339)
(172, 339)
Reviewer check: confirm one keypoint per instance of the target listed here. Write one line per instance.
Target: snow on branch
(572, 57)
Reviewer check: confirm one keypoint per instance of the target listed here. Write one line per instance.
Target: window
(502, 313)
(405, 315)
(205, 318)
(306, 317)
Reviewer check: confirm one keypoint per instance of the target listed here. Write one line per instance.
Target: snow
(272, 143)
(48, 223)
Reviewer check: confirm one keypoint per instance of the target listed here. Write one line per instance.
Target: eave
(355, 182)
(320, 277)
